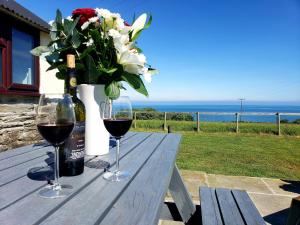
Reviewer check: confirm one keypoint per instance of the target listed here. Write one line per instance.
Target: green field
(254, 153)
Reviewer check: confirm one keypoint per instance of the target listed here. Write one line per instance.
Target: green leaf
(58, 18)
(53, 66)
(91, 70)
(135, 82)
(60, 76)
(148, 23)
(54, 57)
(69, 26)
(108, 71)
(38, 51)
(86, 51)
(112, 90)
(75, 39)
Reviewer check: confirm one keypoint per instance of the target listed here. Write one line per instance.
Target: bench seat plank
(248, 209)
(222, 206)
(209, 207)
(228, 207)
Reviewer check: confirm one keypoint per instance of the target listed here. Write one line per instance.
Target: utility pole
(241, 109)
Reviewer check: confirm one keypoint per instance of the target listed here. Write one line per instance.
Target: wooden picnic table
(149, 157)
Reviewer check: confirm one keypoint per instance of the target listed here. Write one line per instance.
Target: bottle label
(73, 82)
(74, 146)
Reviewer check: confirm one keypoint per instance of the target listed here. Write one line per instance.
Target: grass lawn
(240, 154)
(248, 155)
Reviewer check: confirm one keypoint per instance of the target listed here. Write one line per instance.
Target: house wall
(17, 113)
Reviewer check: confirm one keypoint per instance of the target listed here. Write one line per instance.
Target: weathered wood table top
(149, 157)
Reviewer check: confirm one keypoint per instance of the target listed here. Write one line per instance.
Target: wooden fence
(237, 117)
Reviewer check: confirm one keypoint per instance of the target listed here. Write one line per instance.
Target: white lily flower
(103, 13)
(139, 24)
(85, 25)
(147, 75)
(93, 19)
(121, 41)
(90, 42)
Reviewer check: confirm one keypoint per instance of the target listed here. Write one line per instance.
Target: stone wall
(17, 125)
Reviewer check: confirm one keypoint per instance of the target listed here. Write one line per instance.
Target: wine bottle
(72, 151)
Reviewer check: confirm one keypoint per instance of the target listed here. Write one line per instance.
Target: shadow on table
(43, 173)
(291, 186)
(277, 218)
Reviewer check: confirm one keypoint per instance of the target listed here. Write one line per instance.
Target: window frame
(9, 87)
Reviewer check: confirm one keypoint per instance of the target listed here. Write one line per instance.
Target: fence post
(198, 121)
(165, 122)
(134, 119)
(237, 122)
(278, 123)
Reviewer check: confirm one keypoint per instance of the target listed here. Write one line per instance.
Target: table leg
(181, 196)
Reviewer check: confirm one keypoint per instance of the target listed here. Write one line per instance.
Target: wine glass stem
(56, 166)
(118, 154)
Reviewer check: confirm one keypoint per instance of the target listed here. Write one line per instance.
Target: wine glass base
(116, 176)
(55, 191)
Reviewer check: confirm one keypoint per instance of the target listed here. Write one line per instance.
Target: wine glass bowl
(117, 120)
(55, 121)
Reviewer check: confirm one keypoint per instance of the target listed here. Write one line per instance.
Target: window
(22, 60)
(19, 70)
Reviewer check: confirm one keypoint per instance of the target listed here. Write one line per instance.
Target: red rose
(84, 13)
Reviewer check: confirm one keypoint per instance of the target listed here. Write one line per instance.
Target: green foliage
(284, 121)
(152, 114)
(147, 109)
(297, 121)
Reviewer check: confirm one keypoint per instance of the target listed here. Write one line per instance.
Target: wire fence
(196, 117)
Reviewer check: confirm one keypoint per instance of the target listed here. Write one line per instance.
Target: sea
(227, 107)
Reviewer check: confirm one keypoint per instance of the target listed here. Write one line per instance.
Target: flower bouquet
(104, 46)
(106, 55)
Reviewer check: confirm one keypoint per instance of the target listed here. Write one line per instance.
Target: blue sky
(211, 49)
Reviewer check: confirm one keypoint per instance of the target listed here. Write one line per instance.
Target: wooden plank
(247, 208)
(41, 208)
(181, 196)
(142, 200)
(18, 171)
(98, 197)
(14, 191)
(229, 210)
(21, 150)
(210, 211)
(21, 170)
(23, 158)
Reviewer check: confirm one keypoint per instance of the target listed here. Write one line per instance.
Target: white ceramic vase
(96, 135)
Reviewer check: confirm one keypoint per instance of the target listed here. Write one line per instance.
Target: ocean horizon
(227, 107)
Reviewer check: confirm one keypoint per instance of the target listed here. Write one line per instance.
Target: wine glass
(117, 120)
(55, 121)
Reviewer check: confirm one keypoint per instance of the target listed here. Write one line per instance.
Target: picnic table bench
(220, 206)
(149, 157)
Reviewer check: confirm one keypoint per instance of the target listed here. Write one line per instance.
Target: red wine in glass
(117, 127)
(117, 120)
(55, 134)
(55, 121)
